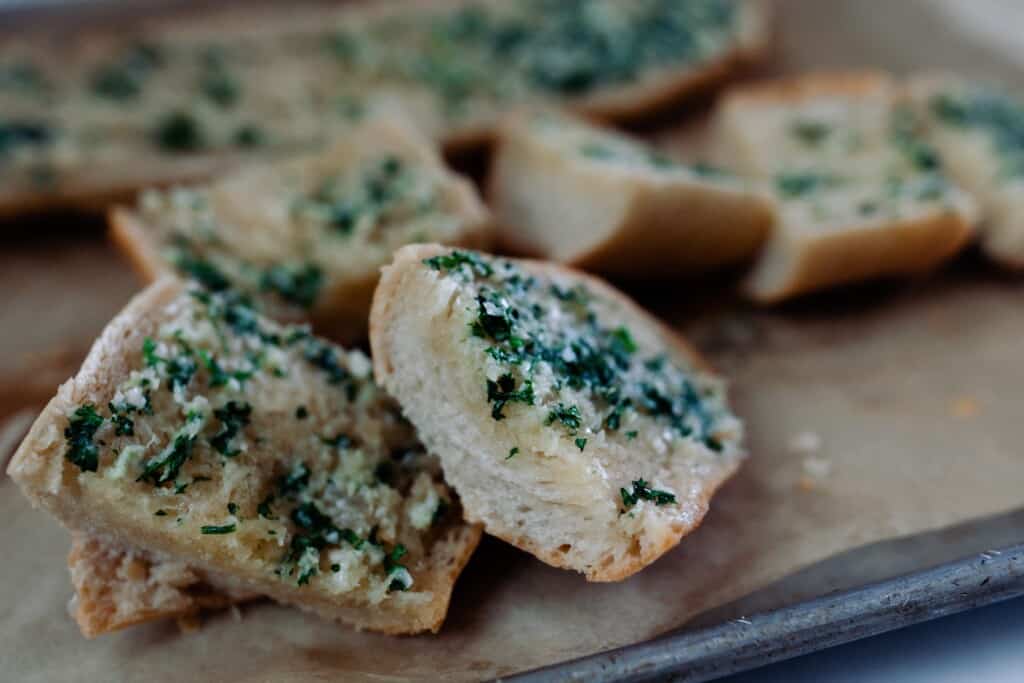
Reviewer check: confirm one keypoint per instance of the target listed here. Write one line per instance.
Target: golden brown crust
(811, 85)
(380, 317)
(130, 237)
(117, 587)
(907, 247)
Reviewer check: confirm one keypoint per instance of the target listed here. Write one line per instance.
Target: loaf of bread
(571, 192)
(305, 238)
(572, 423)
(978, 129)
(259, 457)
(91, 117)
(859, 193)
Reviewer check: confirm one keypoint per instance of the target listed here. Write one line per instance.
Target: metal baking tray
(745, 643)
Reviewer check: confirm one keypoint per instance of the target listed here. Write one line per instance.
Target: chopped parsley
(581, 443)
(641, 491)
(264, 510)
(294, 481)
(459, 260)
(79, 434)
(810, 132)
(301, 413)
(217, 530)
(233, 417)
(503, 392)
(179, 131)
(513, 312)
(22, 133)
(569, 417)
(513, 452)
(202, 271)
(166, 465)
(296, 285)
(797, 184)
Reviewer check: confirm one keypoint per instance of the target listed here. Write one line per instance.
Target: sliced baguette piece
(95, 117)
(256, 455)
(859, 194)
(573, 424)
(978, 129)
(596, 199)
(306, 237)
(118, 586)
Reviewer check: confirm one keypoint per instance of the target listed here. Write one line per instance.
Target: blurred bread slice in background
(859, 192)
(977, 127)
(305, 238)
(572, 192)
(89, 120)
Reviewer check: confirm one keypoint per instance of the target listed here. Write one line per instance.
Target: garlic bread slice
(572, 423)
(89, 118)
(305, 238)
(978, 129)
(596, 199)
(255, 454)
(859, 193)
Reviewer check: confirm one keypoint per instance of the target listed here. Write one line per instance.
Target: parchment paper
(913, 392)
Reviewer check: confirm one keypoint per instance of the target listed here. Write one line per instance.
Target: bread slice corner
(598, 450)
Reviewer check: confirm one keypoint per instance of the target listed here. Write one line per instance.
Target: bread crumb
(963, 408)
(817, 468)
(189, 624)
(805, 443)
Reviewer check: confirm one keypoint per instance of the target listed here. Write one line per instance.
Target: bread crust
(50, 482)
(118, 587)
(638, 222)
(655, 544)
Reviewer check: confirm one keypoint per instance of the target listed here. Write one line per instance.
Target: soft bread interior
(528, 483)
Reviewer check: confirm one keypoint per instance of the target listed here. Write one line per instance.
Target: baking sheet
(912, 390)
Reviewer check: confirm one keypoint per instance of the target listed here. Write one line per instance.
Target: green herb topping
(79, 434)
(641, 491)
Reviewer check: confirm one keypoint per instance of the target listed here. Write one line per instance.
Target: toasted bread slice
(117, 587)
(306, 237)
(860, 195)
(598, 200)
(92, 118)
(257, 455)
(574, 425)
(978, 129)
